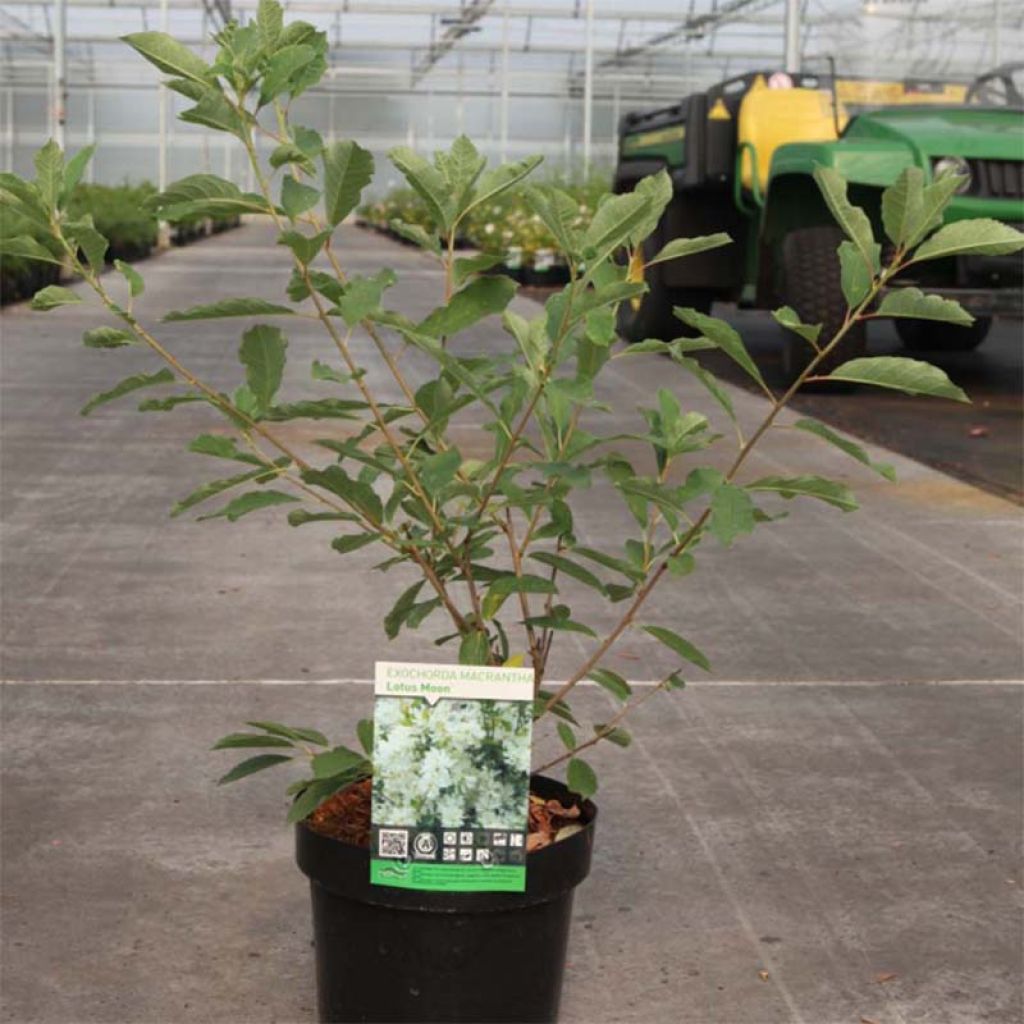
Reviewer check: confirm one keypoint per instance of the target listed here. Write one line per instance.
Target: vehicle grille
(997, 179)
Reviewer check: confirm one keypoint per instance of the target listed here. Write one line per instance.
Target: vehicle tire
(653, 318)
(811, 285)
(929, 336)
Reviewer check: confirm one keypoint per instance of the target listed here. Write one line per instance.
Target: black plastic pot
(400, 955)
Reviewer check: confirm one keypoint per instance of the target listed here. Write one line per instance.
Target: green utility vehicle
(741, 157)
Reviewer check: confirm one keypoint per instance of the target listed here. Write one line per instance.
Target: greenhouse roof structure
(552, 76)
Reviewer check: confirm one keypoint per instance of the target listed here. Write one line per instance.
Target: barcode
(393, 842)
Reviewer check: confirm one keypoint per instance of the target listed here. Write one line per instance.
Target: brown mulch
(346, 816)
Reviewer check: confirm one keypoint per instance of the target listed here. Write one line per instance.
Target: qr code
(393, 842)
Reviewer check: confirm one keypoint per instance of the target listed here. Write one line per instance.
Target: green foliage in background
(483, 545)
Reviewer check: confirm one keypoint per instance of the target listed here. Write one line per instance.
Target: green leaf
(73, 173)
(681, 646)
(215, 487)
(214, 111)
(316, 409)
(417, 235)
(854, 274)
(808, 487)
(297, 198)
(270, 22)
(525, 584)
(319, 790)
(977, 237)
(262, 352)
(299, 517)
(305, 247)
(230, 307)
(26, 247)
(569, 568)
(428, 182)
(852, 219)
(90, 241)
(617, 735)
(480, 298)
(613, 222)
(911, 376)
(355, 492)
(581, 778)
(204, 195)
(560, 623)
(710, 382)
(251, 766)
(129, 384)
(494, 182)
(348, 169)
(136, 286)
(252, 501)
(612, 682)
(559, 213)
(23, 198)
(903, 205)
(566, 735)
(680, 247)
(221, 447)
(395, 618)
(657, 188)
(914, 303)
(933, 205)
(789, 318)
(52, 296)
(362, 295)
(108, 337)
(436, 472)
(49, 163)
(352, 542)
(723, 336)
(466, 267)
(292, 732)
(281, 74)
(475, 649)
(334, 762)
(846, 445)
(364, 732)
(732, 513)
(169, 56)
(249, 739)
(681, 565)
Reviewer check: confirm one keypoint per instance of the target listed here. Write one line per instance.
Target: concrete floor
(837, 805)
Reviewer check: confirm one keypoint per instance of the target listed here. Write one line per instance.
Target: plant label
(451, 777)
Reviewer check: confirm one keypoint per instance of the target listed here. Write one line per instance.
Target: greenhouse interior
(512, 511)
(550, 76)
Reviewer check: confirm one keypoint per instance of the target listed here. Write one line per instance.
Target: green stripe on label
(449, 877)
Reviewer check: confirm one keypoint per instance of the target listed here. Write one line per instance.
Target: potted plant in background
(489, 540)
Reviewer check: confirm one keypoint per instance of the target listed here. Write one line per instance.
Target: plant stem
(778, 404)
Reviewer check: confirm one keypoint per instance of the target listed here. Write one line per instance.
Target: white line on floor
(701, 684)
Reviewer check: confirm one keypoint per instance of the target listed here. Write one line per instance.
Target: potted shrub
(489, 540)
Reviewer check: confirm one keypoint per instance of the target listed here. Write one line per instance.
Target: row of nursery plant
(121, 213)
(506, 226)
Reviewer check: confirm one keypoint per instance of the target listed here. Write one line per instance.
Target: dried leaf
(763, 975)
(885, 976)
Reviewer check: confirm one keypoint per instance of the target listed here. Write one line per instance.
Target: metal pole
(792, 36)
(162, 108)
(60, 90)
(997, 29)
(504, 82)
(588, 88)
(90, 171)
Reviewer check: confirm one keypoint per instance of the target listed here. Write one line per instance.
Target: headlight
(954, 165)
